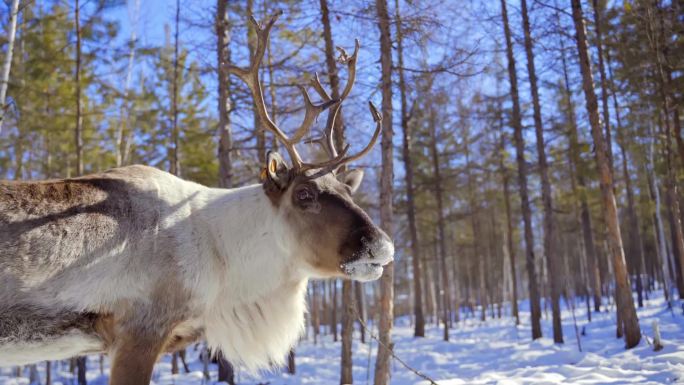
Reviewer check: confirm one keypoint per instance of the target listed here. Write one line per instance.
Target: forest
(529, 168)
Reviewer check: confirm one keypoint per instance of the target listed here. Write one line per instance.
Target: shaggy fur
(136, 254)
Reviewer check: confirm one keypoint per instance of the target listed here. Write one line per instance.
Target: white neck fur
(256, 302)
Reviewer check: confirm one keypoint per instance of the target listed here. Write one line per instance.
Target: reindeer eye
(304, 194)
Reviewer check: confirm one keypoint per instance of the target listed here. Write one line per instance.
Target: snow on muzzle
(367, 264)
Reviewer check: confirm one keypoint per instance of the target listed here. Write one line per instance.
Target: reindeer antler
(250, 76)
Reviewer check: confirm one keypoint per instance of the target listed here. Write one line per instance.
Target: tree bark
(78, 135)
(339, 142)
(552, 257)
(419, 326)
(382, 363)
(7, 64)
(516, 122)
(361, 308)
(603, 79)
(223, 36)
(439, 197)
(658, 220)
(174, 167)
(347, 331)
(623, 296)
(505, 180)
(637, 246)
(578, 165)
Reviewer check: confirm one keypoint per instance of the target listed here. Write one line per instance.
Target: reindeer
(135, 262)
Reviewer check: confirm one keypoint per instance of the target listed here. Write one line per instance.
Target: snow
(493, 352)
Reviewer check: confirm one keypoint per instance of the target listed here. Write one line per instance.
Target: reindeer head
(336, 237)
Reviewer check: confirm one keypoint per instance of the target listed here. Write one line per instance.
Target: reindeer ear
(276, 171)
(351, 178)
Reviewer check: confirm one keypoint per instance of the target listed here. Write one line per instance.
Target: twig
(404, 364)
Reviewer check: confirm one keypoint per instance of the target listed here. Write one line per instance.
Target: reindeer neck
(254, 246)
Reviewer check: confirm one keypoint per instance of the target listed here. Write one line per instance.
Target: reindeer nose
(381, 249)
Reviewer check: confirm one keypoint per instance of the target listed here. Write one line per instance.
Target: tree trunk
(637, 246)
(550, 249)
(382, 363)
(658, 220)
(333, 306)
(6, 66)
(361, 308)
(505, 179)
(315, 312)
(623, 296)
(475, 227)
(437, 177)
(419, 327)
(173, 151)
(81, 370)
(535, 308)
(223, 36)
(604, 87)
(578, 165)
(339, 142)
(78, 135)
(347, 331)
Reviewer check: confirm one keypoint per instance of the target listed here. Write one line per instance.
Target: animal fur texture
(136, 254)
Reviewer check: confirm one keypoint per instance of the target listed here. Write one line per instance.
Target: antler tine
(350, 61)
(316, 84)
(310, 115)
(377, 118)
(332, 117)
(341, 159)
(250, 76)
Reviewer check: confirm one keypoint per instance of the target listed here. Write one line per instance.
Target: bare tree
(174, 165)
(552, 256)
(439, 197)
(382, 363)
(78, 134)
(223, 37)
(419, 326)
(623, 296)
(577, 165)
(510, 246)
(516, 122)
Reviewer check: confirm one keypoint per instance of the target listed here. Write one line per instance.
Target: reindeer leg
(133, 358)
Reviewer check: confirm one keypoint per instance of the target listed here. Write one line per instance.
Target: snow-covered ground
(493, 352)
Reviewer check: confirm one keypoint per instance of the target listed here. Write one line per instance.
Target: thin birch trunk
(223, 36)
(7, 64)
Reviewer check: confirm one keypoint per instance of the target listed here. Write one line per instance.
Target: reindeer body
(86, 261)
